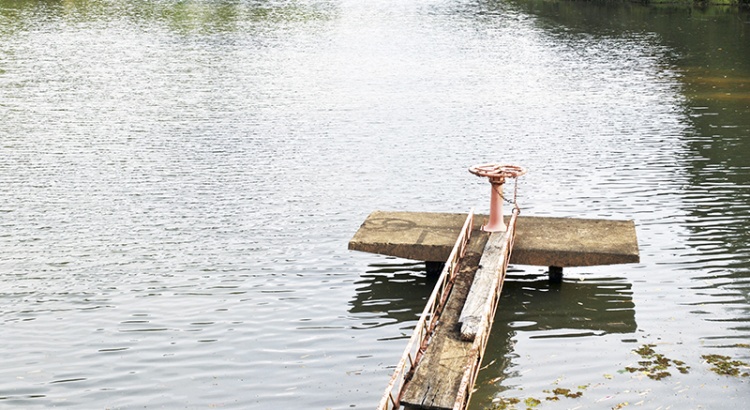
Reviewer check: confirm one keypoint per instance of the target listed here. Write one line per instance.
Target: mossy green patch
(507, 403)
(532, 402)
(725, 366)
(655, 365)
(562, 392)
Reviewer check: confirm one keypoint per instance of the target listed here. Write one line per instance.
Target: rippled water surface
(179, 181)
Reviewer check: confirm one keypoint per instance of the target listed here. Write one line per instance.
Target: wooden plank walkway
(438, 376)
(487, 284)
(431, 316)
(445, 373)
(540, 241)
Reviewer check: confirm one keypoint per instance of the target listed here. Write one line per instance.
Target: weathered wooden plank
(437, 379)
(487, 280)
(540, 241)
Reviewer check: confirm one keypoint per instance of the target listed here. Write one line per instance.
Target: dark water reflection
(600, 306)
(395, 292)
(178, 181)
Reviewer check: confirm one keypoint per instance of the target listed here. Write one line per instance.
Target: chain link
(498, 190)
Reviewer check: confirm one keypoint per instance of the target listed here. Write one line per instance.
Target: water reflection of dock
(396, 292)
(532, 308)
(393, 292)
(579, 308)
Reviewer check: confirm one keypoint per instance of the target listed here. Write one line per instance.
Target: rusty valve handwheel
(497, 172)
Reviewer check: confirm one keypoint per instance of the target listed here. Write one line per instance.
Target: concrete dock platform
(540, 241)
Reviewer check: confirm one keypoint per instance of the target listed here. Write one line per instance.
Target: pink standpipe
(497, 174)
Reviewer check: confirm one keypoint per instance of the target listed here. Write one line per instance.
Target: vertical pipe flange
(496, 173)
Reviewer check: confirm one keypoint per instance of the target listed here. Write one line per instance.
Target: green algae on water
(532, 402)
(725, 366)
(563, 392)
(655, 365)
(507, 403)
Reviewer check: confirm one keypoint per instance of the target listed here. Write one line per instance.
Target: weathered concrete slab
(540, 241)
(566, 242)
(420, 236)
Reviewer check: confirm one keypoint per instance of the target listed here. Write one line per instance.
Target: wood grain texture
(438, 376)
(488, 277)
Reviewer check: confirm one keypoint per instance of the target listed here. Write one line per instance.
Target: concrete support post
(434, 268)
(555, 274)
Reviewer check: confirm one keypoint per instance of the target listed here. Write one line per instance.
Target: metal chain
(514, 202)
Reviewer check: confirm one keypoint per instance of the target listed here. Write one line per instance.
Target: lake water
(179, 181)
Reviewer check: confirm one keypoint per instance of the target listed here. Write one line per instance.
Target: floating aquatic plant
(655, 365)
(507, 403)
(725, 366)
(532, 402)
(563, 392)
